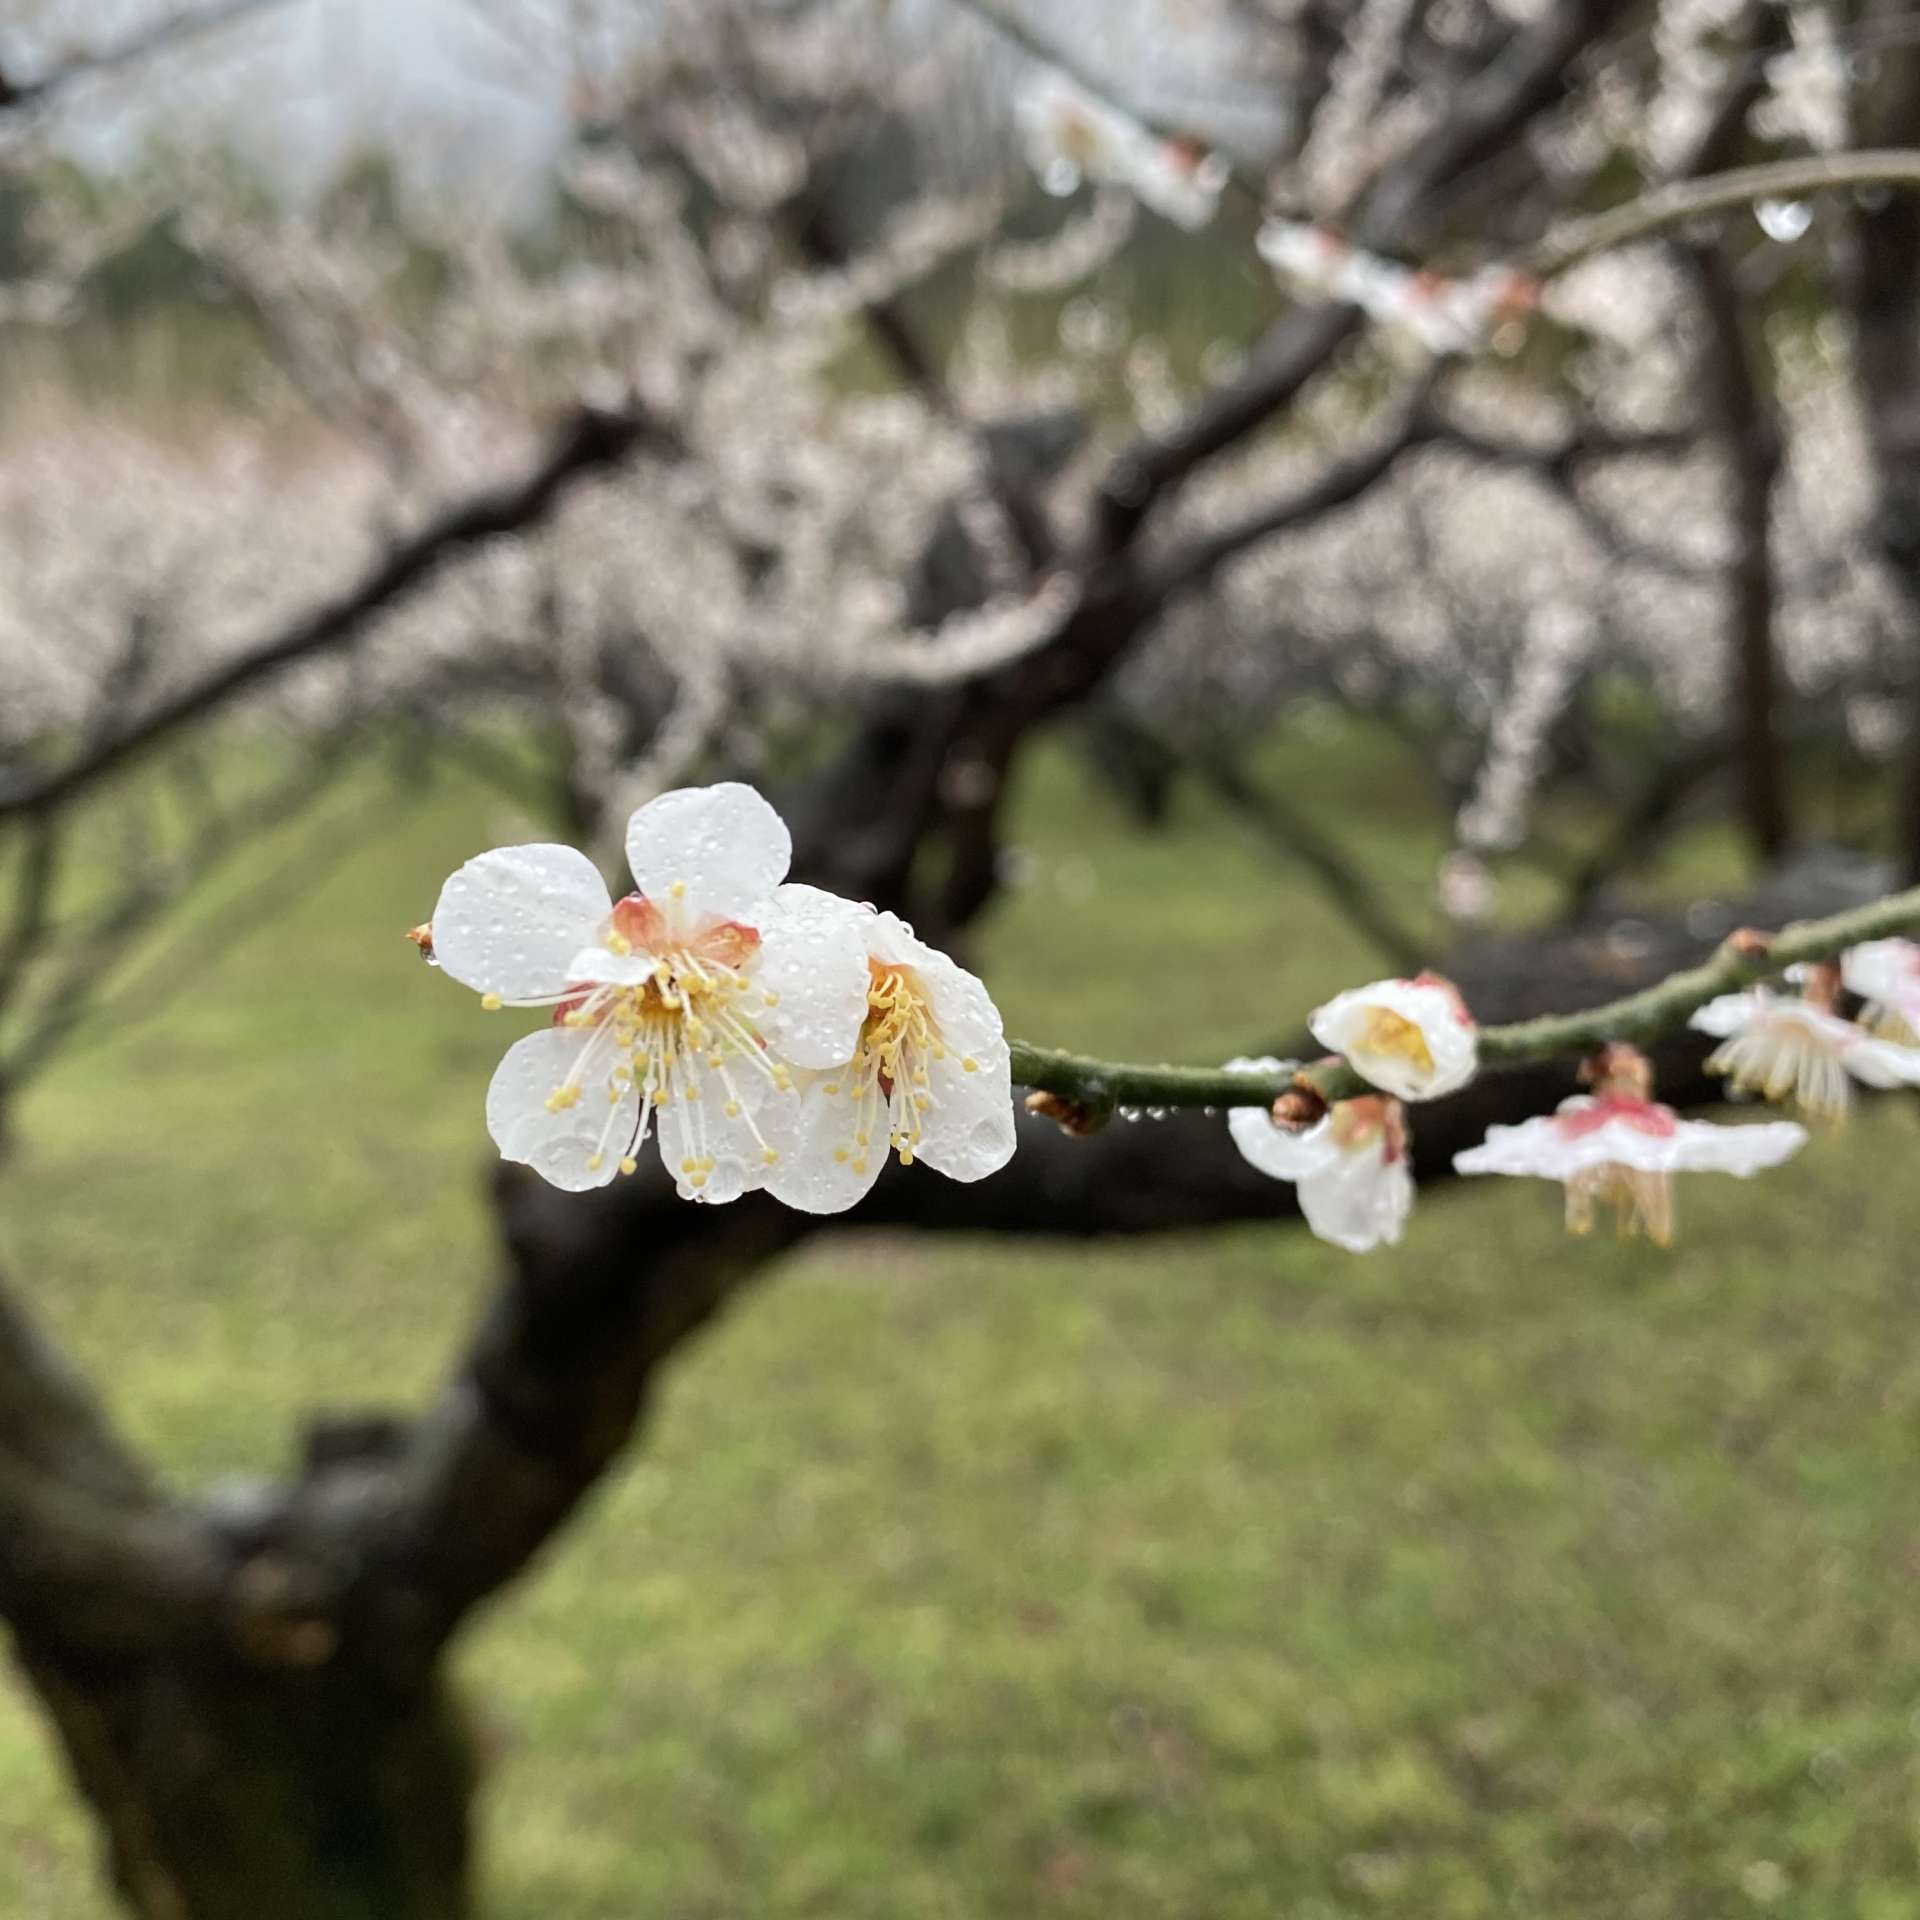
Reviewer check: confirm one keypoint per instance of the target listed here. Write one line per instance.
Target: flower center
(1359, 1122)
(1382, 1031)
(888, 1072)
(692, 1016)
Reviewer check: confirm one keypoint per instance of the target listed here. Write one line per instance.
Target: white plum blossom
(1412, 1038)
(1886, 975)
(1072, 135)
(1349, 1168)
(928, 1076)
(683, 1008)
(1621, 1150)
(1618, 1147)
(1778, 1046)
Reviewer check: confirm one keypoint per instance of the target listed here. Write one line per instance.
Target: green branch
(1743, 958)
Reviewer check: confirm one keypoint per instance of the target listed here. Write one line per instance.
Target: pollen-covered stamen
(887, 1078)
(687, 1013)
(1383, 1031)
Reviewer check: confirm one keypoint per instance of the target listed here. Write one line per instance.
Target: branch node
(1077, 1118)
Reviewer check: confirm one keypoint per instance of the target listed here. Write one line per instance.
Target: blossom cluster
(764, 1033)
(1614, 1145)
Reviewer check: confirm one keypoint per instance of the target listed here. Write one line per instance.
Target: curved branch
(1565, 246)
(591, 440)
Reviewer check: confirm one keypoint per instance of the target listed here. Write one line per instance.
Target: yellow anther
(939, 1052)
(689, 1166)
(970, 1065)
(840, 1153)
(714, 1060)
(769, 1156)
(1384, 1031)
(696, 1179)
(491, 1002)
(771, 998)
(618, 943)
(860, 1140)
(614, 1095)
(783, 1079)
(693, 1092)
(832, 1086)
(629, 1164)
(860, 1166)
(921, 1101)
(576, 1017)
(733, 1109)
(660, 1096)
(906, 1156)
(595, 1161)
(678, 890)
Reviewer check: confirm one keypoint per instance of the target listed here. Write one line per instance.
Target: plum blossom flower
(1619, 1147)
(1072, 134)
(1349, 1168)
(928, 1076)
(682, 1009)
(1886, 975)
(1780, 1046)
(1412, 1038)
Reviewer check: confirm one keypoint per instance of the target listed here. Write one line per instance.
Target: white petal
(963, 1009)
(1452, 1040)
(1879, 1063)
(812, 961)
(510, 921)
(1535, 1147)
(1545, 1150)
(1276, 1152)
(1360, 1200)
(1731, 1013)
(1698, 1146)
(1883, 970)
(722, 847)
(816, 1171)
(606, 968)
(967, 1133)
(713, 1155)
(558, 1146)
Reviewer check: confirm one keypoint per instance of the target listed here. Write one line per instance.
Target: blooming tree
(1505, 439)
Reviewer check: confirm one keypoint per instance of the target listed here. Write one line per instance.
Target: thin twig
(1568, 244)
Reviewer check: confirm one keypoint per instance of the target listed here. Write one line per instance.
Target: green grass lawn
(1201, 1578)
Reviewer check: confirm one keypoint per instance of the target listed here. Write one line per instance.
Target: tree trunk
(228, 1792)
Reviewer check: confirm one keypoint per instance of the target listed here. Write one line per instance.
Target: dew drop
(1061, 178)
(1783, 220)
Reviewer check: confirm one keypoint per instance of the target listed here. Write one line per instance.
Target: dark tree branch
(1486, 111)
